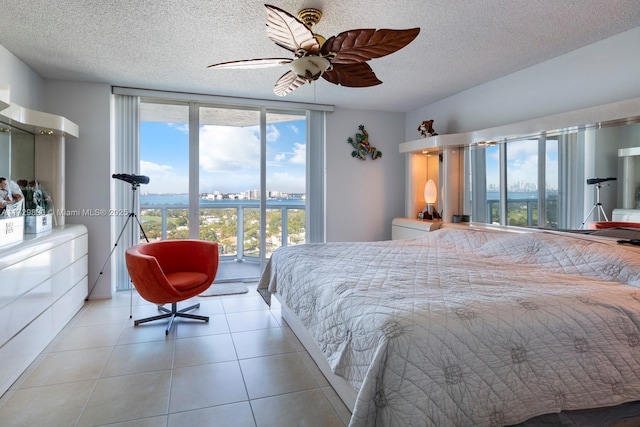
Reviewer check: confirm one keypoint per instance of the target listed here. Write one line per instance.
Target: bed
(467, 327)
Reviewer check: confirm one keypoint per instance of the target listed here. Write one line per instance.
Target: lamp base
(428, 213)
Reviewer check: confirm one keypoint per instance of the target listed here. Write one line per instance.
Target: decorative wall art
(426, 129)
(362, 146)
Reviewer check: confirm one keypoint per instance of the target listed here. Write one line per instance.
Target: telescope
(592, 181)
(133, 179)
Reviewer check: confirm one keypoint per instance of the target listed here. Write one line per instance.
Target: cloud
(273, 134)
(299, 154)
(522, 164)
(182, 127)
(294, 128)
(224, 148)
(229, 161)
(163, 179)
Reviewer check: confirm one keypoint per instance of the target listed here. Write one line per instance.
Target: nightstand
(406, 228)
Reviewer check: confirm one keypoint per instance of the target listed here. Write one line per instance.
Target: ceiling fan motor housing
(310, 68)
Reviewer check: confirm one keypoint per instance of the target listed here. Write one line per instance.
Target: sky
(229, 157)
(522, 163)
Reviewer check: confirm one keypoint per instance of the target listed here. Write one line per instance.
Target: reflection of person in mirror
(6, 197)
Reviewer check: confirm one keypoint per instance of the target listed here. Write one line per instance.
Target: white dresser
(405, 228)
(628, 215)
(43, 284)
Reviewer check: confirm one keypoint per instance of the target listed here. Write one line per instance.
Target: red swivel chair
(169, 271)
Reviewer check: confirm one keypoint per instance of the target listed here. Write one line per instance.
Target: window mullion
(263, 187)
(503, 184)
(542, 180)
(194, 170)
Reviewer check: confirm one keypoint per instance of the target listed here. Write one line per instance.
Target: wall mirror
(17, 153)
(559, 180)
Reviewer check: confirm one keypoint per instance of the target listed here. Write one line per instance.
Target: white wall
(26, 84)
(88, 170)
(597, 74)
(363, 197)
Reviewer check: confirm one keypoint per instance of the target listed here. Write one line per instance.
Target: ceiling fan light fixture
(310, 68)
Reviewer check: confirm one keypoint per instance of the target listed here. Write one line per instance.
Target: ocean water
(521, 195)
(183, 199)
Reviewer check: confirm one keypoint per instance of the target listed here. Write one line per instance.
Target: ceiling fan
(340, 60)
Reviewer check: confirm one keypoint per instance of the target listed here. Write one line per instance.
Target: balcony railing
(235, 225)
(524, 212)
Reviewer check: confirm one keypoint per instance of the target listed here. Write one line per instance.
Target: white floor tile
(242, 368)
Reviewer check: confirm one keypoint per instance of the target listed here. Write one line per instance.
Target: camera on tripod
(133, 179)
(597, 206)
(592, 181)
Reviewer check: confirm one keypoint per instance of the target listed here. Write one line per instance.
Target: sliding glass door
(164, 157)
(286, 168)
(236, 176)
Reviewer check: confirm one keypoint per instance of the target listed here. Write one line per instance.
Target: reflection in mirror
(17, 153)
(547, 180)
(22, 155)
(5, 150)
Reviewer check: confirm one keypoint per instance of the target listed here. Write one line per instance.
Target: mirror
(17, 153)
(561, 181)
(5, 150)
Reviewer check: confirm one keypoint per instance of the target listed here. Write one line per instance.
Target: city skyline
(522, 165)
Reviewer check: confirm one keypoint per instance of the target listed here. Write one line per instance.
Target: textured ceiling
(167, 44)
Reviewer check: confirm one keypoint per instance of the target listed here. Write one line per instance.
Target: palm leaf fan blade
(361, 45)
(288, 32)
(352, 75)
(288, 83)
(252, 63)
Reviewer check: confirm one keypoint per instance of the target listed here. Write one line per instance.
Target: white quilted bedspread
(464, 328)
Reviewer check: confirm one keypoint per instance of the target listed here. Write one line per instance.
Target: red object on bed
(598, 225)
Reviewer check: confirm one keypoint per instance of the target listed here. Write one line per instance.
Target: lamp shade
(430, 192)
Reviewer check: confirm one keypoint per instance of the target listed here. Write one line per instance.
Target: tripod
(597, 206)
(132, 215)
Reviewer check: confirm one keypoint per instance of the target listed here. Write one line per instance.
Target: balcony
(235, 225)
(523, 212)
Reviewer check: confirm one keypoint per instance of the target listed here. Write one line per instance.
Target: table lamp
(430, 197)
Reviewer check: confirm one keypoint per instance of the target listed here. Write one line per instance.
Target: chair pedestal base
(172, 314)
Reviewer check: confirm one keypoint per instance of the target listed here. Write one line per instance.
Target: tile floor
(243, 368)
(231, 270)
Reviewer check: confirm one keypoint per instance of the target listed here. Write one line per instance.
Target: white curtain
(316, 169)
(124, 228)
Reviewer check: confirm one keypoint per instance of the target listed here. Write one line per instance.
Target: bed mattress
(469, 328)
